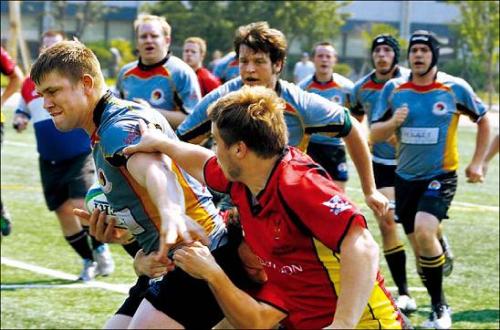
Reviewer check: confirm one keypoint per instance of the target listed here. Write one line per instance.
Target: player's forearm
(15, 80)
(382, 131)
(482, 139)
(174, 118)
(358, 149)
(358, 272)
(190, 157)
(493, 149)
(242, 311)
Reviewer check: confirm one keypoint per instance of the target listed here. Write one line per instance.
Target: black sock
(132, 248)
(396, 260)
(93, 241)
(432, 269)
(79, 242)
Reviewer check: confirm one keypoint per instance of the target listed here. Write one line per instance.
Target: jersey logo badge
(337, 205)
(336, 99)
(439, 109)
(104, 182)
(434, 185)
(157, 97)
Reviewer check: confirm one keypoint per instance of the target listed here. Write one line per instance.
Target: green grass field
(33, 300)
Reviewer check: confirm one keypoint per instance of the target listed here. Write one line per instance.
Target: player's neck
(323, 77)
(195, 67)
(426, 79)
(381, 76)
(89, 125)
(257, 173)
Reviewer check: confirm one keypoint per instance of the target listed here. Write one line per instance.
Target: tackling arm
(242, 311)
(358, 272)
(190, 157)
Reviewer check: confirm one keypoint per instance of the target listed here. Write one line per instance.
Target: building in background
(406, 16)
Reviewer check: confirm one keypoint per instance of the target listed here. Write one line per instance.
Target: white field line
(121, 288)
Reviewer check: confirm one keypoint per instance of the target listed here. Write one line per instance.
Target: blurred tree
(216, 22)
(479, 31)
(87, 13)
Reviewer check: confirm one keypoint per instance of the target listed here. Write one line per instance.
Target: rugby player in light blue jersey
(157, 77)
(423, 110)
(160, 204)
(227, 67)
(261, 51)
(384, 54)
(329, 152)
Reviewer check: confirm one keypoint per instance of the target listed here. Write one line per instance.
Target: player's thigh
(407, 195)
(54, 190)
(438, 195)
(148, 317)
(118, 321)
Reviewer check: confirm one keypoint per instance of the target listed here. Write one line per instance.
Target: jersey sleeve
(126, 132)
(7, 65)
(468, 102)
(198, 123)
(270, 294)
(319, 207)
(382, 110)
(188, 89)
(214, 177)
(356, 107)
(324, 116)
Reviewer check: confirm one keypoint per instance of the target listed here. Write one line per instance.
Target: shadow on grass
(40, 284)
(482, 315)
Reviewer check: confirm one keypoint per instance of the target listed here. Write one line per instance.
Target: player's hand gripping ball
(95, 198)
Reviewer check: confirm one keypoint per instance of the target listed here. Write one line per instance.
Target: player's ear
(240, 149)
(88, 83)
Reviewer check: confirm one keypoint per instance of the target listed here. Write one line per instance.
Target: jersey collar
(145, 67)
(97, 114)
(322, 82)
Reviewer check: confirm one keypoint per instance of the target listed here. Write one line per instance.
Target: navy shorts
(332, 158)
(67, 179)
(432, 196)
(385, 175)
(190, 301)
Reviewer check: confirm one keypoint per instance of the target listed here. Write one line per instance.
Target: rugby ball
(96, 198)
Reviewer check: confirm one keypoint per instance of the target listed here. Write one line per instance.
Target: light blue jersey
(305, 114)
(338, 90)
(117, 127)
(365, 96)
(169, 85)
(428, 137)
(227, 68)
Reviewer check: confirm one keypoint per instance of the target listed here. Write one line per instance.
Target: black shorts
(135, 296)
(332, 158)
(432, 196)
(70, 178)
(190, 301)
(384, 175)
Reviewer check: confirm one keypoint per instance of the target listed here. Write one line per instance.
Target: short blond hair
(145, 18)
(200, 42)
(254, 115)
(70, 59)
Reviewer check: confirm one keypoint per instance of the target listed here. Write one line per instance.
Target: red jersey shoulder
(28, 91)
(7, 65)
